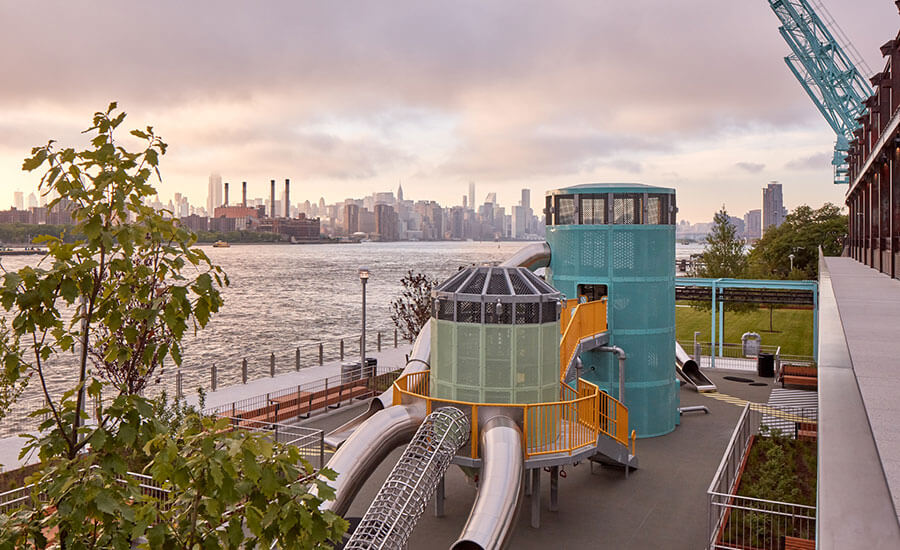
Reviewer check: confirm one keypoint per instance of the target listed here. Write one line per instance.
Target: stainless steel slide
(500, 490)
(688, 370)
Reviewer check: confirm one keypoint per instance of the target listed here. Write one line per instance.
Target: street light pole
(791, 257)
(364, 278)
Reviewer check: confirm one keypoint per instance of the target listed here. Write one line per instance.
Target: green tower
(618, 241)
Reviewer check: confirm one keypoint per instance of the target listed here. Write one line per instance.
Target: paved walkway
(869, 306)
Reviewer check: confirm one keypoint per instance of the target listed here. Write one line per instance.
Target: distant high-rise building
(471, 194)
(32, 201)
(465, 201)
(491, 198)
(214, 193)
(386, 222)
(772, 207)
(351, 219)
(287, 198)
(753, 224)
(519, 222)
(399, 192)
(526, 198)
(19, 200)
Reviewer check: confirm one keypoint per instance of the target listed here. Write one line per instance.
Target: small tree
(724, 254)
(119, 299)
(411, 310)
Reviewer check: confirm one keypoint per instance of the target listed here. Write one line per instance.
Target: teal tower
(618, 241)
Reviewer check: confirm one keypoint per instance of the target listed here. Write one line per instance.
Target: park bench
(796, 543)
(301, 403)
(799, 375)
(806, 431)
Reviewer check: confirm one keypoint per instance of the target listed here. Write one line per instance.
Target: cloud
(811, 162)
(752, 167)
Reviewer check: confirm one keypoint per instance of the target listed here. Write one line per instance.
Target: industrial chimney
(287, 198)
(244, 195)
(272, 204)
(226, 193)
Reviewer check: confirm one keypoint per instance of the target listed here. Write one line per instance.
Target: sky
(352, 97)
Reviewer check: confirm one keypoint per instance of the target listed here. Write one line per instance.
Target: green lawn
(794, 327)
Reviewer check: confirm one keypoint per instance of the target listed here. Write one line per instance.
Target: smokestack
(226, 193)
(244, 195)
(287, 198)
(272, 204)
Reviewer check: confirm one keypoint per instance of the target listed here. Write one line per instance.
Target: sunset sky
(347, 98)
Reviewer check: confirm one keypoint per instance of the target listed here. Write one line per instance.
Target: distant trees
(724, 254)
(804, 230)
(412, 309)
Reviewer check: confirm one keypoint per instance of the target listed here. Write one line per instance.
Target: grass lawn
(794, 327)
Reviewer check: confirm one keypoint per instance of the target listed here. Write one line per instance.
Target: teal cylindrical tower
(618, 240)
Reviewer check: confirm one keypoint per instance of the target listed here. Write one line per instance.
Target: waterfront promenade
(388, 358)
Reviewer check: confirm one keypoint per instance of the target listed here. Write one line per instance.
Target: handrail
(562, 426)
(585, 320)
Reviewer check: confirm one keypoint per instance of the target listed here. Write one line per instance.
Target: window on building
(593, 209)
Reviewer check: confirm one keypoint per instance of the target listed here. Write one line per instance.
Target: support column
(536, 498)
(554, 489)
(439, 499)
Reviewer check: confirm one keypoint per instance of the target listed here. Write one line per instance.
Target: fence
(310, 442)
(732, 356)
(188, 378)
(739, 522)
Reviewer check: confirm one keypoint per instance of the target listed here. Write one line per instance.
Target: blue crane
(825, 71)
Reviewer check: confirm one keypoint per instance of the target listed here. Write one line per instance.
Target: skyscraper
(400, 192)
(772, 207)
(753, 224)
(19, 200)
(214, 193)
(472, 195)
(526, 198)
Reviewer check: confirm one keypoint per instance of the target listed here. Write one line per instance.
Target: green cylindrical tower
(618, 240)
(495, 337)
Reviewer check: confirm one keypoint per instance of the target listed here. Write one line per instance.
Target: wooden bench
(295, 405)
(807, 431)
(799, 375)
(796, 543)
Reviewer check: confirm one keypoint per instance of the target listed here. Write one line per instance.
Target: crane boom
(826, 72)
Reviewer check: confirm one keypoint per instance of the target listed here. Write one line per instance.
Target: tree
(118, 302)
(804, 230)
(723, 255)
(412, 309)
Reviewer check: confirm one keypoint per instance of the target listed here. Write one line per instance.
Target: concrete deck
(661, 505)
(868, 303)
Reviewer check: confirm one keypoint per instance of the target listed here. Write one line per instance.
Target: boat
(221, 244)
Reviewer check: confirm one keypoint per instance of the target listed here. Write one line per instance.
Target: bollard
(379, 340)
(178, 388)
(212, 377)
(297, 359)
(244, 371)
(321, 353)
(395, 338)
(342, 349)
(272, 365)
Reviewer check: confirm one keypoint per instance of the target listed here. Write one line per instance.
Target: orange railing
(580, 321)
(564, 426)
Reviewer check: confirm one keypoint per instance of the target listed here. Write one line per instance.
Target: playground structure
(541, 380)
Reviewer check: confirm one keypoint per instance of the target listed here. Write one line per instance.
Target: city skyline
(437, 97)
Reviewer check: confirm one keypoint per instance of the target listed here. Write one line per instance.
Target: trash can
(765, 365)
(351, 371)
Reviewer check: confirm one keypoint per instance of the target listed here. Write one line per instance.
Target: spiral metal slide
(364, 442)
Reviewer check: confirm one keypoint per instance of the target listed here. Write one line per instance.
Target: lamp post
(791, 257)
(364, 278)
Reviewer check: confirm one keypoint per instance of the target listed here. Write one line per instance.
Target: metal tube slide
(500, 490)
(688, 369)
(355, 460)
(532, 256)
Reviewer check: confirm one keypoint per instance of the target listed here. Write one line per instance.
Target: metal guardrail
(738, 522)
(564, 426)
(580, 321)
(731, 356)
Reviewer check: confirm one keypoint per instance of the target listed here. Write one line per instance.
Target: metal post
(395, 338)
(439, 498)
(364, 278)
(321, 449)
(554, 488)
(816, 323)
(379, 349)
(272, 365)
(536, 498)
(212, 377)
(342, 349)
(712, 329)
(178, 388)
(721, 326)
(697, 348)
(297, 359)
(244, 371)
(321, 353)
(527, 482)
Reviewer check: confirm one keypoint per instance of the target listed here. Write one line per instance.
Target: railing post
(321, 353)
(342, 349)
(244, 371)
(395, 338)
(321, 449)
(272, 365)
(178, 388)
(212, 377)
(297, 359)
(379, 349)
